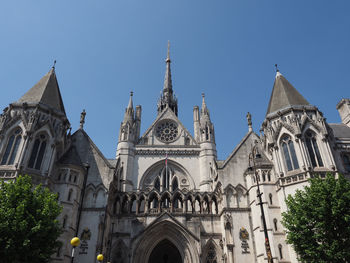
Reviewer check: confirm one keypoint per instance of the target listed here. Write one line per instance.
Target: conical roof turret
(129, 111)
(45, 92)
(284, 95)
(204, 109)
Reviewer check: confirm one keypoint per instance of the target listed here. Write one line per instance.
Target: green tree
(28, 222)
(318, 220)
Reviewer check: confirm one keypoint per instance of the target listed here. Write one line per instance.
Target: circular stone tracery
(167, 131)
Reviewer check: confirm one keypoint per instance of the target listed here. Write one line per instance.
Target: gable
(167, 129)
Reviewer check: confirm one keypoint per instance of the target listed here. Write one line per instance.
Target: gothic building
(166, 197)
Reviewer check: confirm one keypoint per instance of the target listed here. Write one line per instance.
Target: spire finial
(82, 119)
(168, 53)
(130, 105)
(54, 64)
(276, 66)
(249, 119)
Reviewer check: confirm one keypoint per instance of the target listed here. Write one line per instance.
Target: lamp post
(74, 242)
(99, 257)
(255, 155)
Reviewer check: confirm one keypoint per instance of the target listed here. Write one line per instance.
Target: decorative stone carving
(244, 236)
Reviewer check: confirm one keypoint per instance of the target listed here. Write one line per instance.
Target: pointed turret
(167, 98)
(284, 95)
(207, 128)
(129, 111)
(207, 156)
(45, 92)
(127, 128)
(204, 110)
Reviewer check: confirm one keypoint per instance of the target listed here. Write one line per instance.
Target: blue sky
(226, 49)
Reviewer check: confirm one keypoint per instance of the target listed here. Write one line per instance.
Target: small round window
(167, 131)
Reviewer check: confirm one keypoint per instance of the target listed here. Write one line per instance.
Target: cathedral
(165, 197)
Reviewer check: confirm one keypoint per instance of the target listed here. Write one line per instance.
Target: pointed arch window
(270, 197)
(38, 152)
(157, 184)
(70, 194)
(175, 184)
(211, 255)
(290, 158)
(312, 148)
(64, 222)
(165, 177)
(280, 251)
(346, 162)
(12, 148)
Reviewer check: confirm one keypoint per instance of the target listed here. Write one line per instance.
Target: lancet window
(12, 148)
(346, 162)
(312, 148)
(38, 151)
(166, 180)
(211, 255)
(290, 158)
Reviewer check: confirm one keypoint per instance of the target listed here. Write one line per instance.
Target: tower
(204, 133)
(128, 136)
(33, 131)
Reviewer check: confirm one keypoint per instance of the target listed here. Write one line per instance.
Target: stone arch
(120, 252)
(230, 193)
(185, 242)
(165, 251)
(150, 174)
(208, 252)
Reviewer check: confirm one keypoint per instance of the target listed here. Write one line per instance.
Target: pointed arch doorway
(166, 235)
(165, 252)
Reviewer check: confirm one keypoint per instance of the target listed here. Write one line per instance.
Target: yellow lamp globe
(75, 241)
(99, 257)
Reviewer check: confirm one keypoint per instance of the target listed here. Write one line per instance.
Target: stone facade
(166, 197)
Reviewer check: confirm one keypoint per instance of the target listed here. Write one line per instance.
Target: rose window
(167, 131)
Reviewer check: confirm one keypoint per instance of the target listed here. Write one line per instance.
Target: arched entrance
(167, 236)
(165, 252)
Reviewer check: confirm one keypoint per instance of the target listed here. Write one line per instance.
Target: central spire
(168, 86)
(167, 98)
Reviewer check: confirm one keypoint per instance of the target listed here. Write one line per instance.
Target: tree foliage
(28, 222)
(318, 220)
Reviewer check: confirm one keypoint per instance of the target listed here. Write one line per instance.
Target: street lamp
(74, 242)
(99, 257)
(255, 155)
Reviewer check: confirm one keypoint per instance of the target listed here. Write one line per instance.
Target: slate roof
(45, 92)
(71, 157)
(340, 130)
(284, 95)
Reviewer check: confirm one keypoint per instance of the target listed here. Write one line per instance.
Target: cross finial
(82, 119)
(54, 64)
(131, 93)
(276, 66)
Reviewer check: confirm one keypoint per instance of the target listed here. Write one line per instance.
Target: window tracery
(211, 255)
(167, 131)
(313, 150)
(290, 158)
(346, 162)
(12, 148)
(38, 151)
